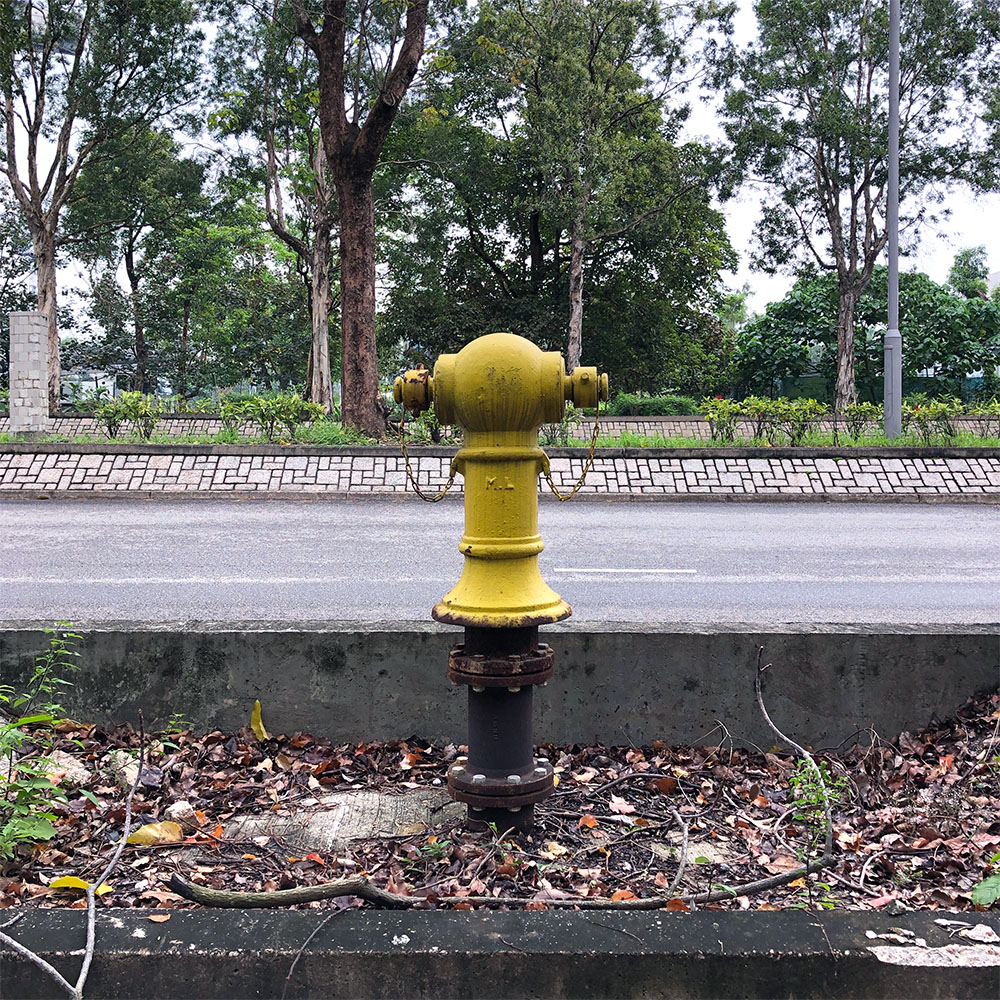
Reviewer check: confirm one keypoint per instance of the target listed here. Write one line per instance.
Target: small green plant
(799, 417)
(931, 417)
(560, 434)
(859, 417)
(814, 797)
(765, 416)
(110, 415)
(987, 892)
(27, 797)
(986, 417)
(723, 417)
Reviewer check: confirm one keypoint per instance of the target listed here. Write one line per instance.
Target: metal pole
(893, 373)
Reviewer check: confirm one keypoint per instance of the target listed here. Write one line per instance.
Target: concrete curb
(441, 954)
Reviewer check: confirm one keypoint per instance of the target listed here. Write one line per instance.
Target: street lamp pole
(893, 373)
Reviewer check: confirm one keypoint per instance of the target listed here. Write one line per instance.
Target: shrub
(860, 416)
(290, 412)
(986, 417)
(723, 415)
(799, 417)
(765, 415)
(932, 417)
(631, 404)
(142, 412)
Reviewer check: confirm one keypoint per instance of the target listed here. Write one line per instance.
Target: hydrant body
(500, 389)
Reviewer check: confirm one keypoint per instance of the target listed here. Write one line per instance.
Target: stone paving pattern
(656, 474)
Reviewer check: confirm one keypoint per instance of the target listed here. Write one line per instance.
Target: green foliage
(723, 417)
(969, 273)
(142, 412)
(943, 333)
(482, 237)
(932, 417)
(799, 417)
(27, 798)
(806, 112)
(638, 404)
(815, 795)
(281, 411)
(560, 434)
(987, 417)
(987, 892)
(859, 417)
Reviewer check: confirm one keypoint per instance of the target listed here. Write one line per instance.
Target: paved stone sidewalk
(91, 469)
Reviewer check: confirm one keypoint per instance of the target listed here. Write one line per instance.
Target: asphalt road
(386, 559)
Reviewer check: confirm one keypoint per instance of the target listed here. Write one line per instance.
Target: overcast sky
(974, 220)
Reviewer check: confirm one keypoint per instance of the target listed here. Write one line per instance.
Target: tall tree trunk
(359, 395)
(320, 383)
(43, 246)
(576, 249)
(844, 392)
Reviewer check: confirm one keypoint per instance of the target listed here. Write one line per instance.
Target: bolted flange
(514, 671)
(510, 791)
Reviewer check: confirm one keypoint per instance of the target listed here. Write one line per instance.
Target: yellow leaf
(157, 833)
(72, 882)
(256, 725)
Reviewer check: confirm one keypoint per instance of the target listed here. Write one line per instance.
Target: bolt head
(515, 809)
(541, 771)
(514, 690)
(477, 778)
(479, 690)
(457, 769)
(514, 779)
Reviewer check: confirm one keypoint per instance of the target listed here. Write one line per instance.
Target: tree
(15, 266)
(590, 87)
(270, 85)
(968, 274)
(139, 195)
(808, 116)
(74, 76)
(947, 335)
(479, 239)
(360, 91)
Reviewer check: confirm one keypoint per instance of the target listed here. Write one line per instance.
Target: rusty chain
(563, 497)
(409, 470)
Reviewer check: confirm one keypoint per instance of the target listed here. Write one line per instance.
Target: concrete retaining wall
(612, 684)
(909, 473)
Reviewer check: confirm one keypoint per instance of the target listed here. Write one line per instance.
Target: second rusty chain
(546, 472)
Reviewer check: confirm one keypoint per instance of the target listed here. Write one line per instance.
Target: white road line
(588, 569)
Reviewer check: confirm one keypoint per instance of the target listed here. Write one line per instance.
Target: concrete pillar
(29, 374)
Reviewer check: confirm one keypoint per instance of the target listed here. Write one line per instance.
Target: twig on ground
(75, 991)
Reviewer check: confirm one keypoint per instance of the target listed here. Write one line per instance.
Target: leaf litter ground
(916, 826)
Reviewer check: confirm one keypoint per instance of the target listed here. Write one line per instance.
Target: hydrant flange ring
(518, 670)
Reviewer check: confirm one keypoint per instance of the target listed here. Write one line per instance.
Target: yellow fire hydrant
(500, 389)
